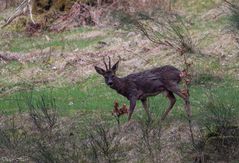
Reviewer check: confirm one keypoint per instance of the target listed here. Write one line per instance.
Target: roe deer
(139, 86)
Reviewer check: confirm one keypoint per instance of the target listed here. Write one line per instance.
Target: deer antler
(119, 58)
(106, 67)
(109, 62)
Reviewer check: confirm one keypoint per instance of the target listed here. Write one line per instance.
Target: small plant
(118, 112)
(206, 79)
(13, 139)
(102, 143)
(150, 145)
(220, 127)
(220, 112)
(42, 110)
(46, 139)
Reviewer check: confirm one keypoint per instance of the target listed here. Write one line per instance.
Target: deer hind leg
(174, 88)
(146, 108)
(172, 101)
(131, 108)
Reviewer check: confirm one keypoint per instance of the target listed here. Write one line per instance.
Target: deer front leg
(131, 108)
(145, 105)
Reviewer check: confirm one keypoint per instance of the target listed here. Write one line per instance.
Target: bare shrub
(103, 144)
(150, 145)
(48, 140)
(219, 128)
(42, 111)
(13, 140)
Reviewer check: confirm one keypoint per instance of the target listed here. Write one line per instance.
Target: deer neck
(119, 85)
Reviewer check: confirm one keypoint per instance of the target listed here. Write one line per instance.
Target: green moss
(1, 18)
(63, 5)
(41, 6)
(19, 24)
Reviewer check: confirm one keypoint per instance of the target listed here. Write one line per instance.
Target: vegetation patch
(51, 113)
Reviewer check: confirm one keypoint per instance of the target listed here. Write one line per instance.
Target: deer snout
(110, 82)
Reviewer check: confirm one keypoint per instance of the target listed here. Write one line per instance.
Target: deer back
(151, 82)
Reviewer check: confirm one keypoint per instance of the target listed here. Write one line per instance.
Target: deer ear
(99, 70)
(115, 67)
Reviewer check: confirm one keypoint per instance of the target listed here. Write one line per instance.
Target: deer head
(109, 73)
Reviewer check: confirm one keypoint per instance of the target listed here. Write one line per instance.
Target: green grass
(13, 66)
(1, 18)
(94, 95)
(197, 7)
(90, 95)
(69, 40)
(28, 44)
(200, 25)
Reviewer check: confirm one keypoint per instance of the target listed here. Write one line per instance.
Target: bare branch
(20, 10)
